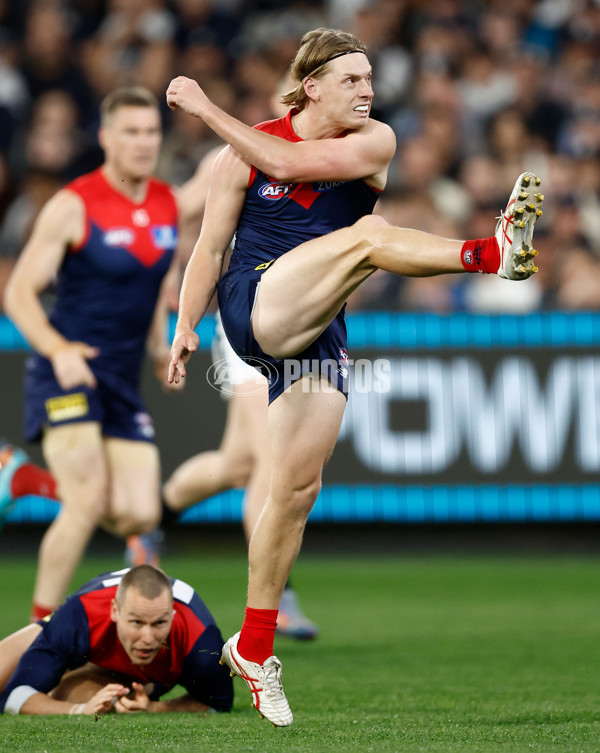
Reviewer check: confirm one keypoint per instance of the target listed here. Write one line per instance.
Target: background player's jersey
(81, 631)
(279, 216)
(107, 286)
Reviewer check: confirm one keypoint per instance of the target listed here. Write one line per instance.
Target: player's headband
(333, 57)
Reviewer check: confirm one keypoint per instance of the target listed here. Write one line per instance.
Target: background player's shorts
(232, 370)
(115, 404)
(328, 354)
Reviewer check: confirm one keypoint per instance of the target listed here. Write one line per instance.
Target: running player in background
(109, 238)
(298, 193)
(119, 643)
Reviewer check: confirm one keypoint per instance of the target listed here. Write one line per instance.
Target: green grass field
(418, 653)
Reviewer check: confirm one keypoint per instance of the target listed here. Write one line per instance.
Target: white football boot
(514, 230)
(264, 682)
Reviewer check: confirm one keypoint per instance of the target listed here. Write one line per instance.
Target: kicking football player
(298, 194)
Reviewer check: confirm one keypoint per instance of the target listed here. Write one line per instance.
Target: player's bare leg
(230, 466)
(300, 294)
(298, 454)
(134, 500)
(75, 455)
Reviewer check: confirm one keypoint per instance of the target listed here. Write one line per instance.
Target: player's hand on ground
(184, 344)
(185, 94)
(105, 699)
(138, 700)
(70, 366)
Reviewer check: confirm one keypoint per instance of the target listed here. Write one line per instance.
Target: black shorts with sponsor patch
(115, 403)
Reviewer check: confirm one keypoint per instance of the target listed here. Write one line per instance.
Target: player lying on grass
(119, 643)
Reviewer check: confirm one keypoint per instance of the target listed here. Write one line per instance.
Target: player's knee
(136, 522)
(365, 235)
(297, 499)
(367, 228)
(85, 503)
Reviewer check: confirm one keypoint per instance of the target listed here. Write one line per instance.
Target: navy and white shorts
(115, 403)
(328, 354)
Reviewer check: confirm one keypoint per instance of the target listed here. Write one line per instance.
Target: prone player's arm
(62, 644)
(224, 203)
(362, 154)
(101, 702)
(60, 224)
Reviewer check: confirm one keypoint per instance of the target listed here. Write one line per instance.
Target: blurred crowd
(476, 90)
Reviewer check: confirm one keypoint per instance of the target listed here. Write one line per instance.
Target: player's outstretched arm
(362, 154)
(228, 182)
(101, 703)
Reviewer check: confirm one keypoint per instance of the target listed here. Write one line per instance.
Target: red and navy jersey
(108, 285)
(279, 216)
(81, 631)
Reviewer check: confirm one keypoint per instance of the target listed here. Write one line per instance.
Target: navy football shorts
(327, 355)
(114, 403)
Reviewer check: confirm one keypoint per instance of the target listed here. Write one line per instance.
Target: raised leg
(301, 293)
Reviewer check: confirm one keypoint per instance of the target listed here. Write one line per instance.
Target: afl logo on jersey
(275, 191)
(119, 236)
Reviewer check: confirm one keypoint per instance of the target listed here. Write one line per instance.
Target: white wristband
(17, 698)
(77, 709)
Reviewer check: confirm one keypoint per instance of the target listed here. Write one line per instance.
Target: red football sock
(38, 612)
(482, 255)
(258, 634)
(31, 479)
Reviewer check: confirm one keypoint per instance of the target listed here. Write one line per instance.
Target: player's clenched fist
(186, 94)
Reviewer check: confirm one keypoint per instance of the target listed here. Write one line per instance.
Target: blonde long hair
(317, 48)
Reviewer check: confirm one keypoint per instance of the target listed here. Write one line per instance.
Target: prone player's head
(130, 131)
(143, 612)
(330, 62)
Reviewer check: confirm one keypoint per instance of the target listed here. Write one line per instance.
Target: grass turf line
(415, 654)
